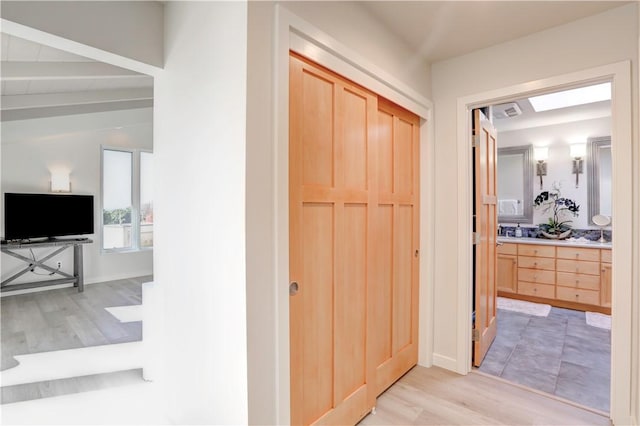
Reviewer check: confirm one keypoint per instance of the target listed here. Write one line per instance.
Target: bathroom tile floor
(559, 354)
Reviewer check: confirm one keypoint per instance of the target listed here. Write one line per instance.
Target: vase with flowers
(558, 226)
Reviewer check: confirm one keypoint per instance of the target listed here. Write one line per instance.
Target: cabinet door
(605, 285)
(507, 273)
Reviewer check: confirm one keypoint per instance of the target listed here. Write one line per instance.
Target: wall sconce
(60, 181)
(541, 154)
(578, 151)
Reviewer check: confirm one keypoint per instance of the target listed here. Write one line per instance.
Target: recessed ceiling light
(573, 97)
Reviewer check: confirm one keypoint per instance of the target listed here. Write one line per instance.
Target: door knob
(293, 288)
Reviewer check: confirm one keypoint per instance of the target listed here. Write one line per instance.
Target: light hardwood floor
(433, 396)
(60, 319)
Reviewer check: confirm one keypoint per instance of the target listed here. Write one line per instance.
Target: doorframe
(623, 158)
(294, 33)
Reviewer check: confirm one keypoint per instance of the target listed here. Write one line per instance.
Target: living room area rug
(529, 308)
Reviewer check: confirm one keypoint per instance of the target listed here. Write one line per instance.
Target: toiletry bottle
(518, 231)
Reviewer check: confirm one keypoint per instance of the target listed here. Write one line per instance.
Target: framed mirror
(599, 179)
(515, 184)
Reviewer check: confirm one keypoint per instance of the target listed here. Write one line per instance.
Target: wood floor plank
(87, 333)
(29, 391)
(434, 396)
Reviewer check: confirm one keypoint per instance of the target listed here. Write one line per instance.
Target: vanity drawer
(536, 250)
(536, 276)
(592, 255)
(605, 256)
(578, 295)
(507, 248)
(539, 290)
(587, 282)
(578, 267)
(537, 262)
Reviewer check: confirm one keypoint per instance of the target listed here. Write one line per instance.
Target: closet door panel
(402, 307)
(354, 137)
(350, 300)
(317, 128)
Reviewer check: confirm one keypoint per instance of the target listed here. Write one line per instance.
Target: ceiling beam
(19, 71)
(31, 113)
(14, 102)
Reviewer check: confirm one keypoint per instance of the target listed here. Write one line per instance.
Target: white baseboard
(445, 362)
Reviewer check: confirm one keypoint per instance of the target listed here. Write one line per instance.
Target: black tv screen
(47, 215)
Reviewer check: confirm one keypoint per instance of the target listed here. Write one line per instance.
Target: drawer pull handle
(577, 296)
(535, 264)
(577, 282)
(535, 277)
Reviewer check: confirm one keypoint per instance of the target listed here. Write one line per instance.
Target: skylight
(573, 97)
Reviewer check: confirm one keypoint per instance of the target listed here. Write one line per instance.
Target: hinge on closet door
(475, 335)
(475, 238)
(475, 140)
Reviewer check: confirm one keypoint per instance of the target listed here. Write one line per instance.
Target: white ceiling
(39, 81)
(438, 30)
(529, 118)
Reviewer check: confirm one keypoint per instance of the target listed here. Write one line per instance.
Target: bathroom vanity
(574, 275)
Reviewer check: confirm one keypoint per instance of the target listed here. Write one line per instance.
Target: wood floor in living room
(57, 322)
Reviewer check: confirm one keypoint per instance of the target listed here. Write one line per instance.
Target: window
(127, 199)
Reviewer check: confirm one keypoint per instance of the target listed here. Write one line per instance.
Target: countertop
(547, 242)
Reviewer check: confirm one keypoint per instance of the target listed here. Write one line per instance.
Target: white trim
(292, 32)
(624, 222)
(445, 362)
(41, 37)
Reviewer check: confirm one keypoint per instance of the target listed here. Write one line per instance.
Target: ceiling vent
(509, 110)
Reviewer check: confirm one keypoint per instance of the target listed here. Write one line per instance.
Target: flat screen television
(46, 215)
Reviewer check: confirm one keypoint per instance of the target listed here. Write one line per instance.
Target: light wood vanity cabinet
(605, 279)
(570, 277)
(508, 268)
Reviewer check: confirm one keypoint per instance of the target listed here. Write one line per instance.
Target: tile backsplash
(534, 232)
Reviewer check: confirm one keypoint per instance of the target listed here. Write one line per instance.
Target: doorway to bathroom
(550, 297)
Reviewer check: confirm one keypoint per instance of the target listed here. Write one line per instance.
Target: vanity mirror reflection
(599, 179)
(515, 184)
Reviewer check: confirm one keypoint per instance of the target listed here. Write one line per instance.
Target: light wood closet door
(394, 290)
(332, 168)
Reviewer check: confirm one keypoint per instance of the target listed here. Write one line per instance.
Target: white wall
(199, 254)
(129, 28)
(30, 148)
(355, 27)
(559, 164)
(602, 39)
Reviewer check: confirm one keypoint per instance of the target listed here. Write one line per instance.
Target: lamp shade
(578, 150)
(60, 181)
(541, 153)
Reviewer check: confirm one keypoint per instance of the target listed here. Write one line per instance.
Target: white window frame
(135, 200)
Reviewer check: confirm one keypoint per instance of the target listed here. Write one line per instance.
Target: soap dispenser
(518, 231)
